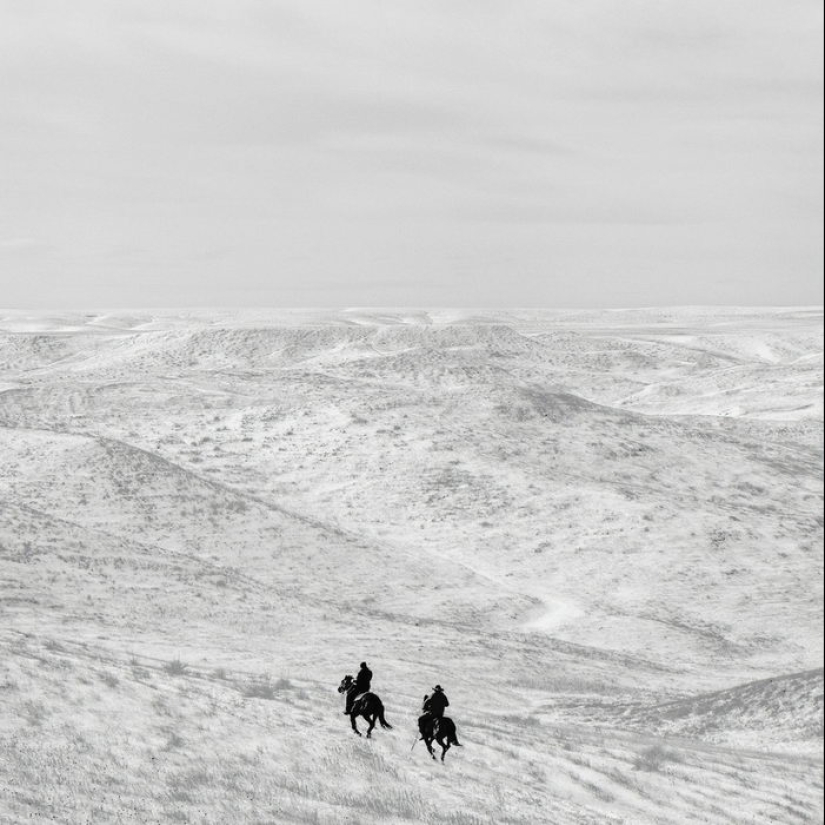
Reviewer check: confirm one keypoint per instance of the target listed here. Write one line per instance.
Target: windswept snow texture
(601, 532)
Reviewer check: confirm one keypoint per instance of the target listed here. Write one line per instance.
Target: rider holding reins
(361, 685)
(433, 707)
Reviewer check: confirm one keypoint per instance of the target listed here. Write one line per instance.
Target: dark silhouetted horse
(442, 731)
(367, 705)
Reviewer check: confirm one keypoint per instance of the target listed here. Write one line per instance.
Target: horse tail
(381, 719)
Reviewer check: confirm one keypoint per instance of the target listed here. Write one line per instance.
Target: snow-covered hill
(601, 532)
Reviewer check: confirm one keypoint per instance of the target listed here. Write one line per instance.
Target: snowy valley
(601, 531)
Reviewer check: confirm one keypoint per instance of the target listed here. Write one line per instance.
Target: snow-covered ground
(600, 531)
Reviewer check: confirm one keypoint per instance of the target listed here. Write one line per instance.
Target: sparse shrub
(219, 673)
(265, 688)
(654, 758)
(262, 688)
(175, 668)
(109, 679)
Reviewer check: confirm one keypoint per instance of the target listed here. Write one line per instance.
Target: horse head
(346, 684)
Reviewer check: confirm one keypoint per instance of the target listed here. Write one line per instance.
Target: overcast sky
(471, 153)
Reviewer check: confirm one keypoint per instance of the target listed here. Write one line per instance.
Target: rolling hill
(601, 532)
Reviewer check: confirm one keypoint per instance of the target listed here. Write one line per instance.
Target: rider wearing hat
(433, 707)
(435, 704)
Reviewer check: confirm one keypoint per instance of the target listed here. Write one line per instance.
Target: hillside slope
(601, 532)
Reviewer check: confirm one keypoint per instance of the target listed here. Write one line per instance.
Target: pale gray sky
(415, 152)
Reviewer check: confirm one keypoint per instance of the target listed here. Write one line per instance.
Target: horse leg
(429, 743)
(354, 726)
(372, 724)
(444, 748)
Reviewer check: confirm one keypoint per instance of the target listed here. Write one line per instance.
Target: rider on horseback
(433, 708)
(359, 686)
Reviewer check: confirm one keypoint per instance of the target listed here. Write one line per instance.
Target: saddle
(429, 723)
(355, 697)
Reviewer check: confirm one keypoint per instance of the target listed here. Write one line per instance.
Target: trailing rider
(433, 707)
